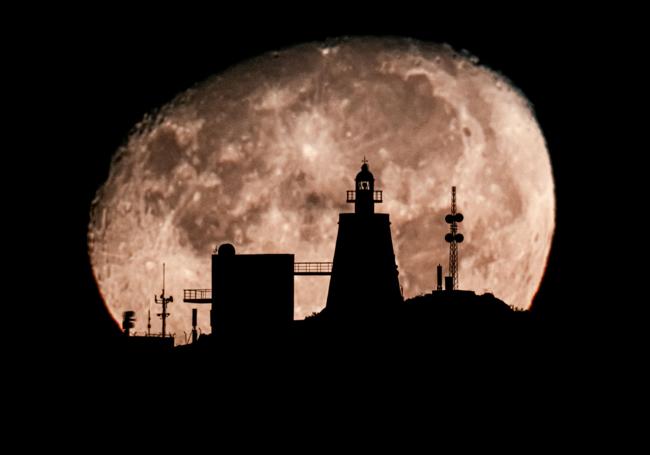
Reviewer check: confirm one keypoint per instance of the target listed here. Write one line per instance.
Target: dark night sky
(109, 76)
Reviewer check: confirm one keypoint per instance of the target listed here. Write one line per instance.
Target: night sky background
(108, 74)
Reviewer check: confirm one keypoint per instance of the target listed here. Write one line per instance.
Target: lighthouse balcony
(377, 196)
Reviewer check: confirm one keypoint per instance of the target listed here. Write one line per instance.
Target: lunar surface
(261, 156)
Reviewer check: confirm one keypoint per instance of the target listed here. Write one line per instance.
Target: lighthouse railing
(377, 196)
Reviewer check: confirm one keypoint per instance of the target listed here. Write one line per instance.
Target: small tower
(364, 272)
(453, 238)
(364, 196)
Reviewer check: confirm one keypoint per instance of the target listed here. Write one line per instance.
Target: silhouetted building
(251, 292)
(364, 272)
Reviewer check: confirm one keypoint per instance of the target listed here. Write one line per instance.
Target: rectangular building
(252, 292)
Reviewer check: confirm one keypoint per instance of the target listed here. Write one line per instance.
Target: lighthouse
(364, 272)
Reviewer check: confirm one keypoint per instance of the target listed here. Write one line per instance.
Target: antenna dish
(226, 249)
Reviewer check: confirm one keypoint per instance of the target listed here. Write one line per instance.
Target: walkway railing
(197, 295)
(312, 268)
(299, 268)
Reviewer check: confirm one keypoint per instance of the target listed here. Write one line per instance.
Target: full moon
(261, 156)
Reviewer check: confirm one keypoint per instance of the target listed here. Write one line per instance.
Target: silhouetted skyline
(251, 302)
(150, 82)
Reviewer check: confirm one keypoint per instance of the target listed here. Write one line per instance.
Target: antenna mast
(164, 300)
(453, 238)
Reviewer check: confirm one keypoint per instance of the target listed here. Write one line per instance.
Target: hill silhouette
(442, 323)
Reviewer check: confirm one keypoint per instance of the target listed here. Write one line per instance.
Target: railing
(299, 268)
(197, 295)
(312, 268)
(377, 196)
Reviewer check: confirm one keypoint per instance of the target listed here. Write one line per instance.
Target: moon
(261, 156)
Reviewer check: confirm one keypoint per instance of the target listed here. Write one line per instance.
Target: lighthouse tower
(364, 272)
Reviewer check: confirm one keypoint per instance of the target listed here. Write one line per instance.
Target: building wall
(364, 273)
(252, 292)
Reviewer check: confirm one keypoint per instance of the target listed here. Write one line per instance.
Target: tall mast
(453, 238)
(164, 300)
